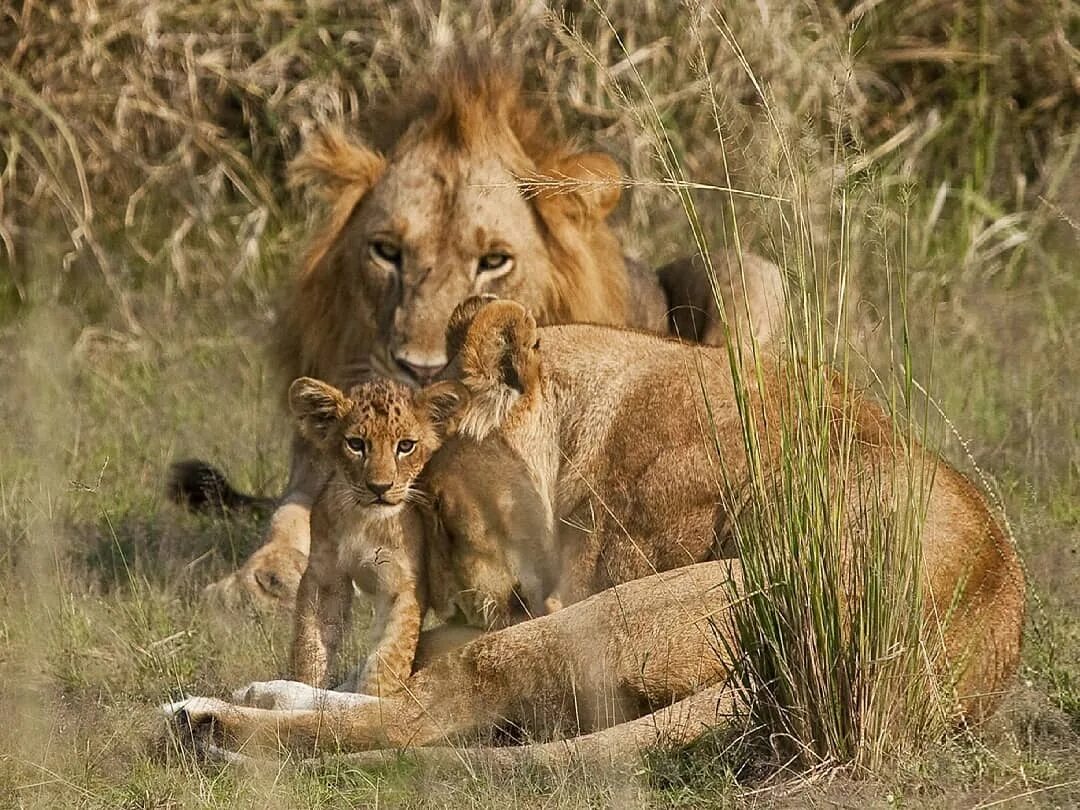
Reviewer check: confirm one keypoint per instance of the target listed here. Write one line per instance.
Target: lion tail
(202, 487)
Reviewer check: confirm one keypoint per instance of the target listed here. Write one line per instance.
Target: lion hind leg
(618, 746)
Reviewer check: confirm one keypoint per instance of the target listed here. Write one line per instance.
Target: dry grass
(145, 229)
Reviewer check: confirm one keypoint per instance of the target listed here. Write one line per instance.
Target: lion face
(473, 197)
(435, 230)
(377, 438)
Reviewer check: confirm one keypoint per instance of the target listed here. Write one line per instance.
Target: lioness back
(638, 446)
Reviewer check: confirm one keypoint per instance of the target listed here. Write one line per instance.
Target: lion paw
(191, 725)
(281, 695)
(195, 709)
(278, 694)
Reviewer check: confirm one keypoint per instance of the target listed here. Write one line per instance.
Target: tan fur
(472, 171)
(625, 449)
(614, 430)
(365, 525)
(491, 561)
(644, 645)
(468, 172)
(268, 580)
(458, 538)
(466, 176)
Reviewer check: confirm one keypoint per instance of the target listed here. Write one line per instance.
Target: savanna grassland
(916, 162)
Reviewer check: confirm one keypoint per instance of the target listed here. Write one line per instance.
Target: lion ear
(499, 362)
(461, 318)
(500, 347)
(333, 165)
(591, 180)
(317, 407)
(444, 402)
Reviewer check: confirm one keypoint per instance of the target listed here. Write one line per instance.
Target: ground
(143, 248)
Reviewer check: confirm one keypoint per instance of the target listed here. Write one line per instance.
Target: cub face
(379, 436)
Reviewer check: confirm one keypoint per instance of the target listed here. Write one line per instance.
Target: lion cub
(365, 526)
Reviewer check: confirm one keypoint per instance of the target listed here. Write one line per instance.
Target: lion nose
(378, 490)
(422, 373)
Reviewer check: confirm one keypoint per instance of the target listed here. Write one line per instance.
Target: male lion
(471, 196)
(624, 432)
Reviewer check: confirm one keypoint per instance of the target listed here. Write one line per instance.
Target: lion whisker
(417, 496)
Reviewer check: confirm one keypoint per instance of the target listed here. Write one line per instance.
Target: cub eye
(356, 445)
(386, 251)
(405, 446)
(491, 262)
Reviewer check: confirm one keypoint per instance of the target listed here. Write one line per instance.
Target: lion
(365, 525)
(470, 195)
(398, 518)
(624, 433)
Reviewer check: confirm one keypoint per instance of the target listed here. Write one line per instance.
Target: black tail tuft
(204, 488)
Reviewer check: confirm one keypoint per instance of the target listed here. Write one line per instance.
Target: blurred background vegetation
(146, 229)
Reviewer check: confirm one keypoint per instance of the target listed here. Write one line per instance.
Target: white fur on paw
(279, 694)
(195, 707)
(283, 695)
(344, 700)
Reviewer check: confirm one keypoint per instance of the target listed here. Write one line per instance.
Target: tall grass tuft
(837, 662)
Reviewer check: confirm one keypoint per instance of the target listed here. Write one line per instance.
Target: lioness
(472, 195)
(623, 432)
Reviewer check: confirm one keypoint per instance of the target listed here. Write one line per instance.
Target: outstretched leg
(622, 744)
(614, 657)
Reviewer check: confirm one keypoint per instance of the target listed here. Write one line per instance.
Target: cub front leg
(397, 627)
(400, 604)
(323, 605)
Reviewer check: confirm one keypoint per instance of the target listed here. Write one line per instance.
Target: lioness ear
(460, 319)
(444, 402)
(335, 166)
(317, 408)
(500, 348)
(592, 180)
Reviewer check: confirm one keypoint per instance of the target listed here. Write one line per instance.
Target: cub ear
(335, 166)
(444, 402)
(589, 181)
(317, 407)
(501, 348)
(460, 319)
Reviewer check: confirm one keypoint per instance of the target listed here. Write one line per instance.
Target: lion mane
(468, 108)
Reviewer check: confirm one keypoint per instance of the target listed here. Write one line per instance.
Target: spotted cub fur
(366, 528)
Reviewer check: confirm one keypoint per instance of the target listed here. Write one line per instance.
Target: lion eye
(491, 262)
(405, 446)
(386, 251)
(356, 445)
